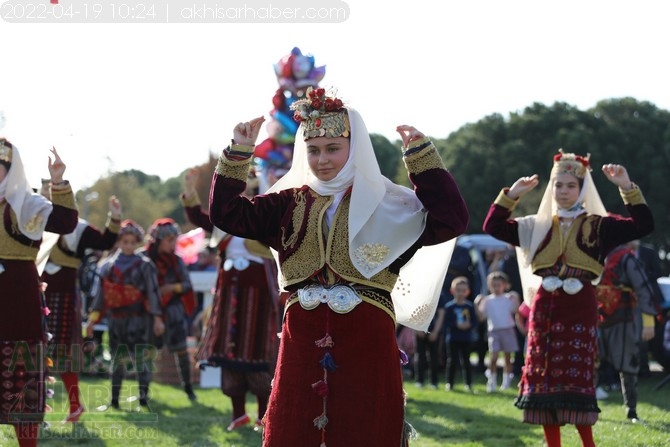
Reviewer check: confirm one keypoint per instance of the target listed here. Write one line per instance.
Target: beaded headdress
(321, 115)
(5, 151)
(567, 163)
(161, 228)
(129, 226)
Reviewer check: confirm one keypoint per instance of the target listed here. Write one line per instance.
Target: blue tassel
(328, 363)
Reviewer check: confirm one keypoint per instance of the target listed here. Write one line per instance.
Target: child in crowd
(460, 320)
(499, 308)
(131, 299)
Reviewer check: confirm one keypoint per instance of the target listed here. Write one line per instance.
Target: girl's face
(327, 156)
(167, 244)
(565, 190)
(127, 244)
(497, 286)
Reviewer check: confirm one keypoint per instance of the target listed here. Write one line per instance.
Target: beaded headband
(567, 163)
(321, 115)
(162, 228)
(130, 227)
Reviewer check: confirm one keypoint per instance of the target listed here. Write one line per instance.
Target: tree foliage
(483, 157)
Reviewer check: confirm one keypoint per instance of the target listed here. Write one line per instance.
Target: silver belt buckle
(340, 298)
(551, 283)
(236, 263)
(572, 286)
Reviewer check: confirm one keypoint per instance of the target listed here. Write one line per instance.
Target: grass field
(441, 419)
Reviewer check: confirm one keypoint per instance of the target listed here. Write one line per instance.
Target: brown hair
(457, 281)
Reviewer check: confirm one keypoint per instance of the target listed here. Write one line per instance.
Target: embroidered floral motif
(34, 223)
(371, 255)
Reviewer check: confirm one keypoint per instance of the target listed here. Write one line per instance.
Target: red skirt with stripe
(557, 384)
(64, 320)
(22, 365)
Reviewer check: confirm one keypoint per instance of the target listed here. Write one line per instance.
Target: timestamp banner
(179, 11)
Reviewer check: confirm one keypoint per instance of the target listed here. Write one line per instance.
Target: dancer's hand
(522, 186)
(56, 167)
(408, 134)
(618, 175)
(247, 133)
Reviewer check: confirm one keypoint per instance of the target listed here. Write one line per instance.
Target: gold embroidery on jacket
(573, 255)
(296, 220)
(309, 256)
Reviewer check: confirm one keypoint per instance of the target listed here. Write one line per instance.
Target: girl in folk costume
(341, 232)
(129, 295)
(565, 244)
(62, 297)
(241, 335)
(176, 292)
(25, 217)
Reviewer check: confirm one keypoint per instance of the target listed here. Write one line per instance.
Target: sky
(159, 97)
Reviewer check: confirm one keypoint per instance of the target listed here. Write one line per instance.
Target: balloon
(190, 244)
(287, 121)
(261, 150)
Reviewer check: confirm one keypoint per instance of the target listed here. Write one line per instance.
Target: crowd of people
(315, 277)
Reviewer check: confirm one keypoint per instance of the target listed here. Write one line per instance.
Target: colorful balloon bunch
(295, 73)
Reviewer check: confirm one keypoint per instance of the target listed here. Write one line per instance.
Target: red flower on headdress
(315, 104)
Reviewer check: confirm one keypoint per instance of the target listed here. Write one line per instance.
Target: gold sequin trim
(337, 253)
(235, 169)
(371, 255)
(424, 160)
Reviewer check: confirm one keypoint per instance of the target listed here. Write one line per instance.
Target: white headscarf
(32, 210)
(381, 214)
(533, 229)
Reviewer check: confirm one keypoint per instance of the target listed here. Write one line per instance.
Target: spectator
(460, 321)
(623, 292)
(499, 309)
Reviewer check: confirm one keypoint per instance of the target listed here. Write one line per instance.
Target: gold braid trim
(257, 248)
(505, 201)
(632, 196)
(424, 160)
(235, 169)
(113, 224)
(63, 197)
(339, 260)
(574, 256)
(309, 257)
(59, 257)
(10, 247)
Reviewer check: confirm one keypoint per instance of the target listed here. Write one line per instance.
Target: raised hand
(190, 182)
(408, 134)
(522, 186)
(246, 133)
(618, 175)
(115, 207)
(56, 167)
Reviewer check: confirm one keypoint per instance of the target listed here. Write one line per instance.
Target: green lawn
(441, 419)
